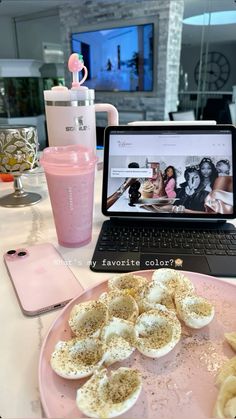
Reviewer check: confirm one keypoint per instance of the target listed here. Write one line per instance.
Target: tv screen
(118, 59)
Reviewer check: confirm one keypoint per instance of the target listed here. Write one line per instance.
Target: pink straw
(76, 64)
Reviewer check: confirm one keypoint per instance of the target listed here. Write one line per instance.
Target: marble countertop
(21, 336)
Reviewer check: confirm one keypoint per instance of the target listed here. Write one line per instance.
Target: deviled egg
(87, 318)
(128, 282)
(173, 280)
(158, 330)
(121, 305)
(195, 311)
(75, 358)
(120, 338)
(152, 295)
(107, 397)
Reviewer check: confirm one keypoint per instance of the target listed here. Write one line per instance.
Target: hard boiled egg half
(173, 280)
(195, 311)
(106, 397)
(152, 295)
(87, 318)
(158, 330)
(120, 337)
(75, 358)
(120, 304)
(128, 282)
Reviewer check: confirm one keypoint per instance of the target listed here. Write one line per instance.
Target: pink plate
(178, 385)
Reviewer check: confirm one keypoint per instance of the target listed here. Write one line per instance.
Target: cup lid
(64, 94)
(75, 156)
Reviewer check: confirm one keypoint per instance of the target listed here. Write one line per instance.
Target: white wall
(7, 38)
(33, 32)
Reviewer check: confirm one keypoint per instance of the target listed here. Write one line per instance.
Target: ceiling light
(215, 18)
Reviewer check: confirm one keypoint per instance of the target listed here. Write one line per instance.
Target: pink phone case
(41, 278)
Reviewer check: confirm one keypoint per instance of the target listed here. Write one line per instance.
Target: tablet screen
(163, 171)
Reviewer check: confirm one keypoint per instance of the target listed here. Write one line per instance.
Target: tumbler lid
(62, 93)
(70, 156)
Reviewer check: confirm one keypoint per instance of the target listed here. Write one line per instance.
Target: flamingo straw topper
(76, 64)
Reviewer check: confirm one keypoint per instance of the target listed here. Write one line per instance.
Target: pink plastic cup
(70, 172)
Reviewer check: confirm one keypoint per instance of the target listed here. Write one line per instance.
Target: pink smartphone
(41, 278)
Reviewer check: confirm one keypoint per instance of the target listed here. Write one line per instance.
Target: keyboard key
(210, 252)
(178, 239)
(102, 248)
(231, 252)
(155, 244)
(106, 243)
(220, 252)
(210, 246)
(226, 242)
(198, 252)
(134, 249)
(199, 246)
(106, 239)
(187, 246)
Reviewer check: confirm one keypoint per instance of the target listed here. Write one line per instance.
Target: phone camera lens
(22, 253)
(11, 252)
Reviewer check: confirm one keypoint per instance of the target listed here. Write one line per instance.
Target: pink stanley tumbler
(71, 112)
(70, 178)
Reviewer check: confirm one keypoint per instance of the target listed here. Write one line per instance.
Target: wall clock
(217, 69)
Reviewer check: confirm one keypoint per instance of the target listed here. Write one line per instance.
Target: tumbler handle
(112, 113)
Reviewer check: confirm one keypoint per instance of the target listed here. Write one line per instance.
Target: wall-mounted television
(118, 58)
